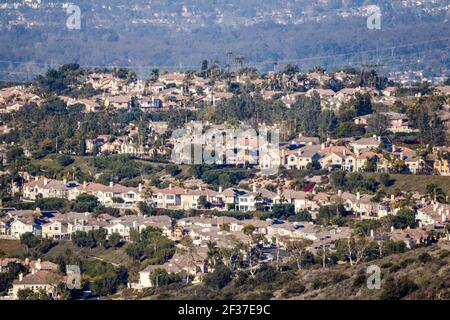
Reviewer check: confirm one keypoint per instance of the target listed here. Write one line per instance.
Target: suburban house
(118, 102)
(47, 281)
(365, 144)
(58, 230)
(50, 188)
(26, 224)
(337, 157)
(168, 198)
(42, 187)
(261, 199)
(434, 213)
(194, 265)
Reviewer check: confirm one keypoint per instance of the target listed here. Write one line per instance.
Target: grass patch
(12, 247)
(410, 182)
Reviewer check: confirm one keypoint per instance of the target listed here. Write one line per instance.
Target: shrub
(395, 289)
(424, 258)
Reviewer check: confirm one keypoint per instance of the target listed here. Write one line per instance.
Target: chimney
(65, 181)
(374, 136)
(220, 189)
(278, 191)
(254, 188)
(36, 178)
(339, 192)
(322, 146)
(379, 138)
(392, 229)
(84, 185)
(371, 233)
(27, 261)
(392, 197)
(135, 225)
(37, 211)
(38, 265)
(170, 186)
(111, 184)
(45, 181)
(358, 196)
(140, 188)
(20, 276)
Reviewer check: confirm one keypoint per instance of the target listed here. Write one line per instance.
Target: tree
(203, 202)
(436, 193)
(28, 294)
(248, 229)
(115, 239)
(386, 180)
(219, 278)
(303, 215)
(29, 239)
(64, 160)
(172, 169)
(15, 154)
(298, 249)
(104, 285)
(85, 203)
(437, 131)
(404, 218)
(377, 124)
(363, 104)
(327, 123)
(161, 277)
(213, 253)
(424, 127)
(395, 289)
(338, 178)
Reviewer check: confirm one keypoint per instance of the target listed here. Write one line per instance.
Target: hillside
(178, 35)
(422, 273)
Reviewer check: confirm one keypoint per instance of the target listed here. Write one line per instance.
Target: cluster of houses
(14, 98)
(188, 90)
(178, 198)
(59, 226)
(225, 232)
(259, 198)
(374, 153)
(43, 276)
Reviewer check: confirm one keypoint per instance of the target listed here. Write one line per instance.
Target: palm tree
(240, 60)
(213, 253)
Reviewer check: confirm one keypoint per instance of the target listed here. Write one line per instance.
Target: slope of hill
(422, 273)
(179, 34)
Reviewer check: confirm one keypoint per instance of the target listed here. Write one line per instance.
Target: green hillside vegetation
(422, 273)
(408, 182)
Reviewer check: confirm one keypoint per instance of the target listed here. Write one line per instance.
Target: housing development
(223, 183)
